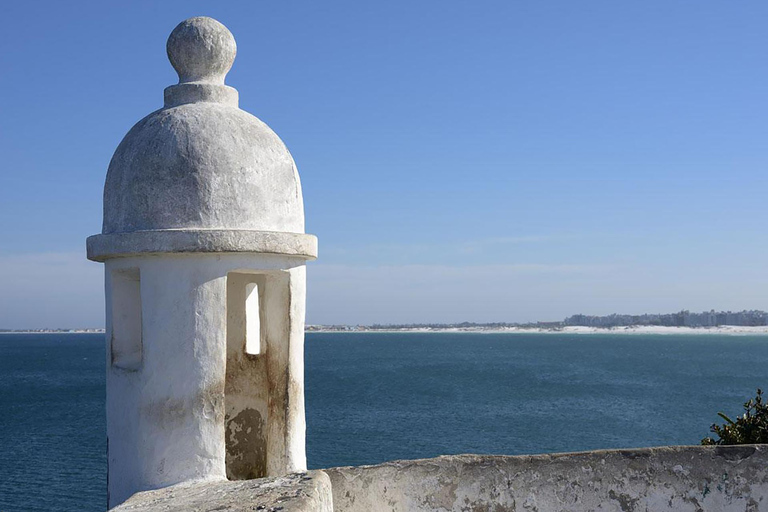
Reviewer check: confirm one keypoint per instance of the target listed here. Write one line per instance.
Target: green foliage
(749, 428)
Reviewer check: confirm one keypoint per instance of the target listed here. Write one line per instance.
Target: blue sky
(481, 161)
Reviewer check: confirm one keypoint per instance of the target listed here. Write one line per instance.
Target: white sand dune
(643, 329)
(732, 330)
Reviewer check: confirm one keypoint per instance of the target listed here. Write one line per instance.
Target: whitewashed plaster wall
(196, 403)
(665, 479)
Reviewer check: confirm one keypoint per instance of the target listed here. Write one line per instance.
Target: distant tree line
(682, 319)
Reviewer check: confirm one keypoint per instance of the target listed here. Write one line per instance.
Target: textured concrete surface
(673, 479)
(300, 492)
(202, 165)
(202, 202)
(666, 479)
(181, 94)
(187, 410)
(101, 247)
(201, 50)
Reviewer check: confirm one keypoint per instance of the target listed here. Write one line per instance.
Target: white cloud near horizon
(50, 290)
(66, 290)
(350, 294)
(408, 253)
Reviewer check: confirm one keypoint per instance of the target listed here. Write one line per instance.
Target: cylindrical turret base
(205, 376)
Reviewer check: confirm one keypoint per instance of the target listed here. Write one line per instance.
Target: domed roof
(200, 170)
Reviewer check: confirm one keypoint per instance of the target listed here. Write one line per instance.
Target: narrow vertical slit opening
(252, 320)
(126, 331)
(246, 389)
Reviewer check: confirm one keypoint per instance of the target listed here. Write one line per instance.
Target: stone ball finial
(201, 50)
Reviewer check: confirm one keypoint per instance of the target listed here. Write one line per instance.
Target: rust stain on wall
(246, 446)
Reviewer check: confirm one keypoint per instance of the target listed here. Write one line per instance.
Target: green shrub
(749, 428)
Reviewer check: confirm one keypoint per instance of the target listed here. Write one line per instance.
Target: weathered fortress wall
(297, 492)
(675, 478)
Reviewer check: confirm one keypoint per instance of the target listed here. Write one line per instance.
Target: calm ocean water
(376, 397)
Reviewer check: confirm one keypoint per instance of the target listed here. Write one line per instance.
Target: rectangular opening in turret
(126, 336)
(246, 391)
(257, 384)
(252, 320)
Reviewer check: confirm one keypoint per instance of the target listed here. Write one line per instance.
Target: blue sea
(372, 397)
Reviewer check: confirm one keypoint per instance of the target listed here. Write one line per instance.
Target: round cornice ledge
(181, 241)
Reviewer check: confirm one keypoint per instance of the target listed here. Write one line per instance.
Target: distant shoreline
(54, 331)
(728, 330)
(731, 330)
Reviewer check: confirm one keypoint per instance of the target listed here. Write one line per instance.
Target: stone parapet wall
(666, 479)
(679, 479)
(298, 492)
